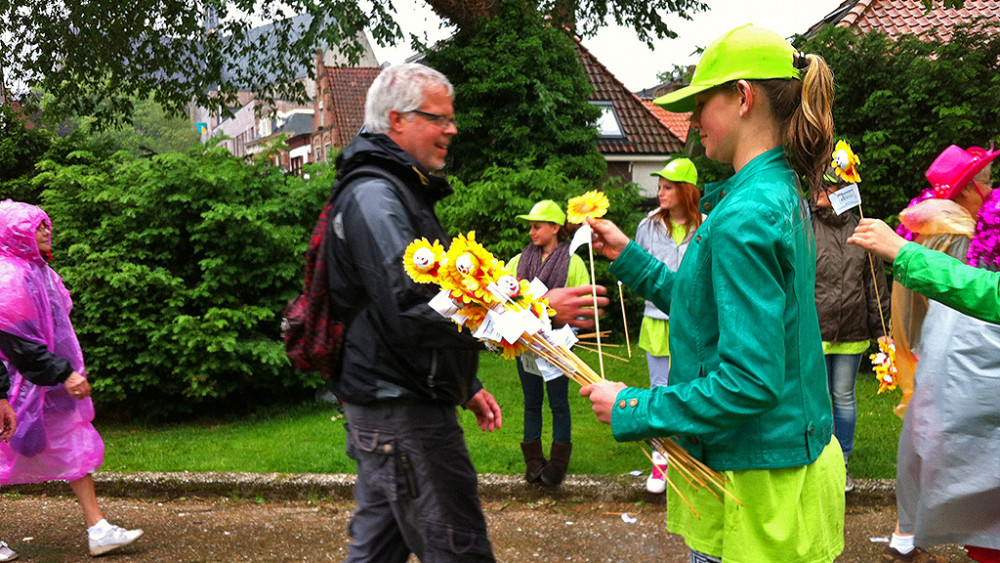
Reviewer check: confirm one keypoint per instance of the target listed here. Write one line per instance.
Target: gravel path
(48, 528)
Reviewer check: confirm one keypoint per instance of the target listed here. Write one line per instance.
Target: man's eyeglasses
(441, 121)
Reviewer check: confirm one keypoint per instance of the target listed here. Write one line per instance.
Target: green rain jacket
(748, 383)
(969, 290)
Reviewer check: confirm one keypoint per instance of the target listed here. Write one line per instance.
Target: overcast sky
(629, 59)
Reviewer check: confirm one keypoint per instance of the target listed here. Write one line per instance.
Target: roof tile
(907, 17)
(644, 132)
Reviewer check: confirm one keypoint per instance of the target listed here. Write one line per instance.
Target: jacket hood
(378, 149)
(18, 223)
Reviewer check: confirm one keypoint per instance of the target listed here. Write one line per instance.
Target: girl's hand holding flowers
(609, 240)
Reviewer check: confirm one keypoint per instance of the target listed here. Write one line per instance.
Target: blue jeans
(416, 488)
(534, 388)
(842, 377)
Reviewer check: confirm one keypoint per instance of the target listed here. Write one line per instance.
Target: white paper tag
(548, 371)
(443, 304)
(845, 198)
(529, 363)
(538, 288)
(488, 328)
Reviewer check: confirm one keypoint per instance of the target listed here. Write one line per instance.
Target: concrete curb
(305, 486)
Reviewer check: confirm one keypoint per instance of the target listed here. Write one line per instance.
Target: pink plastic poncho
(54, 438)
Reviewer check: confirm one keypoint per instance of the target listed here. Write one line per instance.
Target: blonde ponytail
(810, 131)
(805, 109)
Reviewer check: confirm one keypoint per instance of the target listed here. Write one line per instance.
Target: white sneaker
(656, 483)
(6, 553)
(112, 539)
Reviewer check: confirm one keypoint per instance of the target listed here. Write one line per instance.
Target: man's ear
(396, 119)
(746, 94)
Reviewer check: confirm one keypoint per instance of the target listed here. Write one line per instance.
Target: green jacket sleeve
(645, 275)
(972, 291)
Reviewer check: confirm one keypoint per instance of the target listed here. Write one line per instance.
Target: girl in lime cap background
(748, 393)
(547, 258)
(665, 233)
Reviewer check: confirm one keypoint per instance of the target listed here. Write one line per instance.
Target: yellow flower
(422, 260)
(845, 162)
(592, 204)
(467, 269)
(884, 363)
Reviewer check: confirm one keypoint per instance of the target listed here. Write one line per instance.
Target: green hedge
(180, 266)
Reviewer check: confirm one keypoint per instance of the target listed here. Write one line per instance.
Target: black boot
(534, 460)
(555, 469)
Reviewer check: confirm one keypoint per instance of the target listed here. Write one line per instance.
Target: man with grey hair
(405, 367)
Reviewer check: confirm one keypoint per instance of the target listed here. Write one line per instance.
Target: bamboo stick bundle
(501, 310)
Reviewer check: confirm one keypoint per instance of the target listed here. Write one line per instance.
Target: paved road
(47, 527)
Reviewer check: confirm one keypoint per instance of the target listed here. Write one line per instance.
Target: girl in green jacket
(747, 392)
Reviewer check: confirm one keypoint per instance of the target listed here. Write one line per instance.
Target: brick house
(339, 107)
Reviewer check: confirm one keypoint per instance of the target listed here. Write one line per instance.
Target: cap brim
(681, 101)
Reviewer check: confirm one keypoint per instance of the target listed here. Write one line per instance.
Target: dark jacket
(396, 346)
(845, 291)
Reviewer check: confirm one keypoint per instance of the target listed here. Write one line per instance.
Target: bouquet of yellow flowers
(884, 362)
(511, 317)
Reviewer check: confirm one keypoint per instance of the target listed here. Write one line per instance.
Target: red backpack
(313, 338)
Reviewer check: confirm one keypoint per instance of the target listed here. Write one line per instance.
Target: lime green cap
(679, 170)
(546, 210)
(747, 52)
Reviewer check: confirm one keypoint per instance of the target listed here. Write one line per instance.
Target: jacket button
(811, 430)
(621, 404)
(708, 207)
(692, 439)
(387, 448)
(633, 402)
(723, 193)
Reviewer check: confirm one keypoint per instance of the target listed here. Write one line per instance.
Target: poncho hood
(18, 223)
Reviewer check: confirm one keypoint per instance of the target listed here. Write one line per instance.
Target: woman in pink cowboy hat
(943, 217)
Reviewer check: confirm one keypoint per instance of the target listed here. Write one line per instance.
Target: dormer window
(608, 124)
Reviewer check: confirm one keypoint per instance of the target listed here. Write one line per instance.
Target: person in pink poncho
(54, 438)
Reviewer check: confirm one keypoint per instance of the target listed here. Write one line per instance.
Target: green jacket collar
(715, 191)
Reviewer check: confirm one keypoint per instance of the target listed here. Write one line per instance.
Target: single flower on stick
(593, 204)
(845, 162)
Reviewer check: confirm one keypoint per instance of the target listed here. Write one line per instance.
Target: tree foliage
(900, 103)
(94, 56)
(179, 266)
(586, 16)
(20, 149)
(521, 98)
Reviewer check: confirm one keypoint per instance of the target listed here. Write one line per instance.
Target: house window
(326, 152)
(607, 124)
